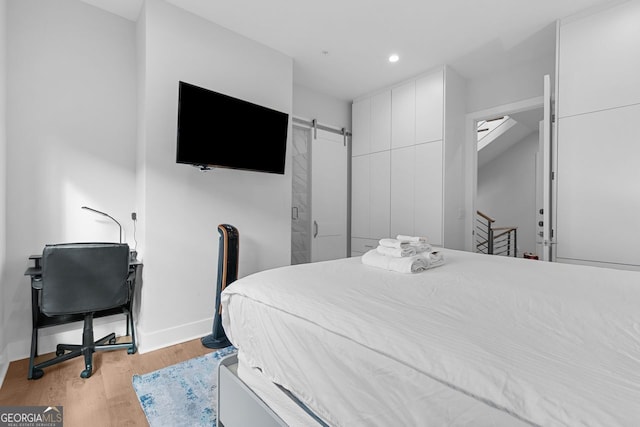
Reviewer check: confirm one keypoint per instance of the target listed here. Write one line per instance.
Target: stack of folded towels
(404, 254)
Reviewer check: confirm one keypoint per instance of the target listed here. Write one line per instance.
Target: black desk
(41, 320)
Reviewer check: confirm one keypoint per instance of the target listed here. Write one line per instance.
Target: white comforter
(549, 344)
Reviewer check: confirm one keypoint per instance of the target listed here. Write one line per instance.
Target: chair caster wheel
(112, 341)
(59, 352)
(132, 350)
(36, 374)
(86, 373)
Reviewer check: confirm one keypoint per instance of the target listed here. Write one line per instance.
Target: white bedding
(549, 344)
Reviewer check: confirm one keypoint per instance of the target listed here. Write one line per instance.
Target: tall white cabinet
(598, 146)
(406, 162)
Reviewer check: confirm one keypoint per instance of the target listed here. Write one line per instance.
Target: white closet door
(598, 186)
(428, 192)
(402, 190)
(403, 115)
(361, 118)
(360, 204)
(381, 122)
(600, 60)
(429, 107)
(328, 197)
(379, 194)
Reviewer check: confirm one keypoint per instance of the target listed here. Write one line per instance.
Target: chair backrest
(84, 277)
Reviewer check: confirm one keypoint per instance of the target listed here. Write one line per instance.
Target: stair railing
(487, 242)
(506, 242)
(484, 233)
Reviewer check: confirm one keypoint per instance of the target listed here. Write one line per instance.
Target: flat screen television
(222, 131)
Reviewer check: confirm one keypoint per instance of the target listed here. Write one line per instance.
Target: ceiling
(340, 47)
(529, 118)
(522, 124)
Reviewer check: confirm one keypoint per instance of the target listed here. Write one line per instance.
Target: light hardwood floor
(106, 398)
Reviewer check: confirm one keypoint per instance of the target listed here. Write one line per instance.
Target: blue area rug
(184, 394)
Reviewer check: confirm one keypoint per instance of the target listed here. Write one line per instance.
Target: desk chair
(80, 281)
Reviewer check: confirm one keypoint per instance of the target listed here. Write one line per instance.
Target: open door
(546, 238)
(328, 196)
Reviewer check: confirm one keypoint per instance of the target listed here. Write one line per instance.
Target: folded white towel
(421, 247)
(435, 258)
(416, 239)
(413, 264)
(396, 252)
(393, 243)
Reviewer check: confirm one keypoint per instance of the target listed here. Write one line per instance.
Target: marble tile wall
(301, 209)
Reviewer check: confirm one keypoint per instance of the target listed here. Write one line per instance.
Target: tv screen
(221, 131)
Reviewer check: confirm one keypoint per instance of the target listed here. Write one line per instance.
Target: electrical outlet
(134, 216)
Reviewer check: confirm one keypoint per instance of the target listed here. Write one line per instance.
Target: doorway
(301, 196)
(506, 181)
(510, 181)
(319, 194)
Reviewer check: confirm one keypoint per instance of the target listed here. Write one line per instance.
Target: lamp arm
(119, 225)
(108, 216)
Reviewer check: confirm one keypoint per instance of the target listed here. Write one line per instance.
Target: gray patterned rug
(184, 394)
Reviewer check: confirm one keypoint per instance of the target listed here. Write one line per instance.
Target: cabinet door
(379, 194)
(600, 60)
(381, 122)
(361, 117)
(428, 192)
(402, 190)
(598, 186)
(429, 107)
(360, 204)
(361, 246)
(403, 115)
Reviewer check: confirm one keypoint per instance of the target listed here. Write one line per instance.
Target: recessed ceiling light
(394, 58)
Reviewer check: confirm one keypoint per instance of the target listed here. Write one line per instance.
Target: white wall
(183, 206)
(309, 104)
(71, 139)
(509, 84)
(4, 362)
(507, 191)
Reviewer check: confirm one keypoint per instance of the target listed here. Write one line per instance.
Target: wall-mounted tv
(222, 131)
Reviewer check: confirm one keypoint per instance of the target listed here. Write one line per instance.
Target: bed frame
(238, 405)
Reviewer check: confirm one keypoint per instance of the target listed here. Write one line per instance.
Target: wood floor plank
(106, 398)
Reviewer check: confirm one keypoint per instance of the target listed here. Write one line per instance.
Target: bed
(482, 340)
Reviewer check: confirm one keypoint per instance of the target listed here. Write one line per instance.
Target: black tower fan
(227, 274)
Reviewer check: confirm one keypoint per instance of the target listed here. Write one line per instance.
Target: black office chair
(81, 281)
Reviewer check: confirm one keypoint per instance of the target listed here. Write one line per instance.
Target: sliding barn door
(328, 196)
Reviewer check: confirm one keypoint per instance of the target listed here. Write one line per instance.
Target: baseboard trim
(617, 266)
(150, 341)
(70, 333)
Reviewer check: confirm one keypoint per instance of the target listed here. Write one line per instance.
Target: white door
(328, 196)
(545, 228)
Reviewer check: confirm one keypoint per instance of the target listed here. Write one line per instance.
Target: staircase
(495, 240)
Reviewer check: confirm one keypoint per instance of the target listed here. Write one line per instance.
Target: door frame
(471, 156)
